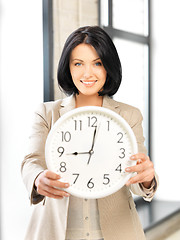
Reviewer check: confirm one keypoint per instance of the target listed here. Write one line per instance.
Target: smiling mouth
(88, 83)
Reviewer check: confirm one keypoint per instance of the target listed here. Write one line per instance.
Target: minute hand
(91, 150)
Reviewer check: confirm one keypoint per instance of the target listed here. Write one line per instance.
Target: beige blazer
(118, 215)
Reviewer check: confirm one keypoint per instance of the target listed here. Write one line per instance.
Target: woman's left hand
(144, 168)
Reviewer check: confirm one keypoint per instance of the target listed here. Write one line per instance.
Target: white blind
(131, 16)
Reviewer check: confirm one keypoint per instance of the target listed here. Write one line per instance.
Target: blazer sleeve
(135, 122)
(34, 160)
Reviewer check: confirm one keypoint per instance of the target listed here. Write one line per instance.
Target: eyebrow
(76, 59)
(96, 59)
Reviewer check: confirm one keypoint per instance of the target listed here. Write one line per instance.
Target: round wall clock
(90, 147)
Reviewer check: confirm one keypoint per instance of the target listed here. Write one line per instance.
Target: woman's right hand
(47, 183)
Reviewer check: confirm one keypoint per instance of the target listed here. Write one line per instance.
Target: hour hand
(77, 153)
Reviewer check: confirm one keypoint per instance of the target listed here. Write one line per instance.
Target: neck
(82, 100)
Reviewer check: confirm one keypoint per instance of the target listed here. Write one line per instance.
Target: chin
(88, 94)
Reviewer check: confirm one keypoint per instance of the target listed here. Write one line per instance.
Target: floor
(174, 236)
(166, 230)
(160, 219)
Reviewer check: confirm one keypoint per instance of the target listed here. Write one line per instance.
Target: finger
(136, 168)
(140, 167)
(137, 179)
(145, 176)
(51, 175)
(52, 195)
(140, 156)
(55, 191)
(49, 191)
(51, 180)
(56, 183)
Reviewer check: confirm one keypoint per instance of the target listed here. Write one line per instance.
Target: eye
(77, 64)
(98, 64)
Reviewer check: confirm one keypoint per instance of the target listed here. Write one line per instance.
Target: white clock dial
(90, 147)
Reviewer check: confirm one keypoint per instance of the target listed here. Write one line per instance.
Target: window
(127, 22)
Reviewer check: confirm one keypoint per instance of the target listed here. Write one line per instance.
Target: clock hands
(77, 153)
(91, 150)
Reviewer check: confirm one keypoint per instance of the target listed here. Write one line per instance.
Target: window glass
(134, 86)
(104, 12)
(131, 16)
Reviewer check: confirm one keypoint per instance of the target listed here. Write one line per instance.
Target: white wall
(21, 90)
(166, 96)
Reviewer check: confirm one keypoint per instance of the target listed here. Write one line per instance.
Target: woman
(90, 72)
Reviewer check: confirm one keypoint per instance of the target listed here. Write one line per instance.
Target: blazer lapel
(67, 105)
(111, 104)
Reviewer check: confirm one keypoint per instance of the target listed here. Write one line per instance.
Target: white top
(83, 220)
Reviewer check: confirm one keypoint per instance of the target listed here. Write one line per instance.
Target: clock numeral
(106, 178)
(77, 175)
(60, 150)
(92, 121)
(66, 136)
(62, 167)
(119, 168)
(90, 184)
(78, 125)
(122, 154)
(121, 136)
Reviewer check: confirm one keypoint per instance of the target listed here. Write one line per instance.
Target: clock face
(90, 147)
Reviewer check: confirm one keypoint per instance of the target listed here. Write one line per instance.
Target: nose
(88, 72)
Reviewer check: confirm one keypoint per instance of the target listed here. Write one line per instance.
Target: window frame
(138, 38)
(48, 50)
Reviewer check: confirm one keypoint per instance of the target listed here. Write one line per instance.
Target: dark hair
(107, 52)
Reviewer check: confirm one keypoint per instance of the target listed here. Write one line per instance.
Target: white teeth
(88, 83)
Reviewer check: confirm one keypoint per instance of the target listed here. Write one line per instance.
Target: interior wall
(165, 96)
(67, 17)
(21, 90)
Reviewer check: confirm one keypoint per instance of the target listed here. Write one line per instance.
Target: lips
(88, 83)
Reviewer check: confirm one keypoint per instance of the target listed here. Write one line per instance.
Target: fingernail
(66, 184)
(127, 169)
(132, 157)
(67, 195)
(139, 161)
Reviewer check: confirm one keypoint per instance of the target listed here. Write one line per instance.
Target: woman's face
(87, 70)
